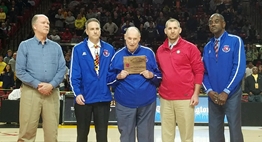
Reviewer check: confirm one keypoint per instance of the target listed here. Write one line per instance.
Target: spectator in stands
(255, 52)
(228, 17)
(202, 35)
(2, 64)
(7, 76)
(73, 3)
(248, 72)
(140, 8)
(192, 6)
(253, 86)
(15, 94)
(260, 69)
(13, 15)
(143, 33)
(28, 3)
(191, 24)
(139, 19)
(135, 94)
(249, 69)
(111, 28)
(8, 56)
(70, 20)
(148, 21)
(12, 61)
(125, 26)
(20, 7)
(40, 95)
(245, 29)
(90, 14)
(160, 25)
(249, 53)
(225, 62)
(88, 71)
(181, 65)
(258, 39)
(151, 33)
(5, 30)
(124, 2)
(54, 36)
(68, 60)
(75, 38)
(31, 2)
(2, 15)
(79, 25)
(105, 16)
(116, 19)
(252, 33)
(212, 6)
(4, 7)
(66, 36)
(59, 19)
(62, 85)
(51, 14)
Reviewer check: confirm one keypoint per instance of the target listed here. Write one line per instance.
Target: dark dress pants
(232, 109)
(100, 112)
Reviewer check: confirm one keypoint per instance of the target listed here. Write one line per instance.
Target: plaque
(134, 64)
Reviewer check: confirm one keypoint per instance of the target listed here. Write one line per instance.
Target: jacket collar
(136, 51)
(166, 43)
(222, 37)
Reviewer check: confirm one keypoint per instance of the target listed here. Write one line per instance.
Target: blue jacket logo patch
(226, 48)
(106, 53)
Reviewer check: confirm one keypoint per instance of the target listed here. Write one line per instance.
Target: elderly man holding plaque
(134, 75)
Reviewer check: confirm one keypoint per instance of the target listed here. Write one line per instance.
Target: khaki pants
(32, 104)
(180, 112)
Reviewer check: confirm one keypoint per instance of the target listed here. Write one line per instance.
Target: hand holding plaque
(134, 64)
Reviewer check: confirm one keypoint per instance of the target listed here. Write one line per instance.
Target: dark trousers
(232, 109)
(141, 119)
(100, 113)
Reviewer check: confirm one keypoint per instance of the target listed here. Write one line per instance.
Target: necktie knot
(96, 46)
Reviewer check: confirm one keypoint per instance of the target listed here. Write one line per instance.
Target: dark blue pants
(100, 113)
(255, 98)
(140, 119)
(232, 109)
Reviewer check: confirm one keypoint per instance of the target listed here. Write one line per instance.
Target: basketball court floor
(67, 133)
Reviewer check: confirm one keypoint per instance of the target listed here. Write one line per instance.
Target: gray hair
(91, 20)
(36, 17)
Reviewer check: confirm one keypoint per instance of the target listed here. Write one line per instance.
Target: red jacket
(181, 69)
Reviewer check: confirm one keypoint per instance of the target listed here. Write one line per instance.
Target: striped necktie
(96, 61)
(216, 47)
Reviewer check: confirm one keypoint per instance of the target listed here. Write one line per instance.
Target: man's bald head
(221, 17)
(132, 38)
(133, 30)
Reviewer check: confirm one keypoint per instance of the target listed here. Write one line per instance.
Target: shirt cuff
(208, 91)
(227, 91)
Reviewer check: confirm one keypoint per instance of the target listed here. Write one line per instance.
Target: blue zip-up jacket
(135, 90)
(225, 72)
(83, 77)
